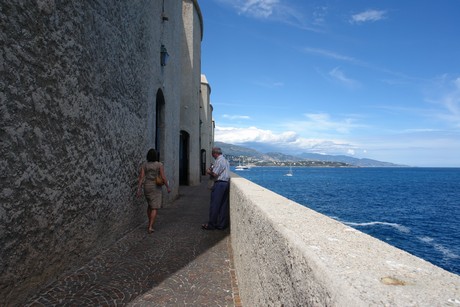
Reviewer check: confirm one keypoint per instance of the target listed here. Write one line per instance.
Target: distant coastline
(235, 162)
(239, 154)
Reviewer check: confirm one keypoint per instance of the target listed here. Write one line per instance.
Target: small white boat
(289, 174)
(241, 167)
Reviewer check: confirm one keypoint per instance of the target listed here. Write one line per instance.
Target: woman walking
(153, 192)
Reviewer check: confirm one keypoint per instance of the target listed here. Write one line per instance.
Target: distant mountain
(252, 154)
(349, 160)
(235, 150)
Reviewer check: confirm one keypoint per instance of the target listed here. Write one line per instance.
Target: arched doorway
(184, 157)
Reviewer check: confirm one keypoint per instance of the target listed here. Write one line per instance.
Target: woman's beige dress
(152, 192)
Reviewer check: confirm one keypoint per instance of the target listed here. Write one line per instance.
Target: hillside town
(251, 162)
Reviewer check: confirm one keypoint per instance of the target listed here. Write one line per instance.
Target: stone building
(87, 88)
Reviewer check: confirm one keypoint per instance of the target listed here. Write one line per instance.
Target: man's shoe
(207, 227)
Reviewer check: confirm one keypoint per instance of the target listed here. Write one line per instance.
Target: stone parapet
(288, 255)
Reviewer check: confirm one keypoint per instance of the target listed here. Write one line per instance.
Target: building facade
(86, 89)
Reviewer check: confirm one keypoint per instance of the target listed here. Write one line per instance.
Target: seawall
(288, 255)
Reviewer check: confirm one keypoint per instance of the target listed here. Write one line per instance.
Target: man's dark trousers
(219, 215)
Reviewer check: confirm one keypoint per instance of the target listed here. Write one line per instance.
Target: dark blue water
(414, 209)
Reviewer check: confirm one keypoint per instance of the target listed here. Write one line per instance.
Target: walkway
(178, 265)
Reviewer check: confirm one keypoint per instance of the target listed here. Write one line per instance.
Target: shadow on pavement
(179, 264)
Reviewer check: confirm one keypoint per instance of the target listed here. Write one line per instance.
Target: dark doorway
(184, 158)
(203, 162)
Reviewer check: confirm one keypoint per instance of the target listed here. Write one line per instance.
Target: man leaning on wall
(219, 215)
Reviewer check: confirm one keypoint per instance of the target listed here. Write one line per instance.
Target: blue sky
(368, 79)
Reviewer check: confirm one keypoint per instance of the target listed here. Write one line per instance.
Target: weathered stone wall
(77, 108)
(288, 255)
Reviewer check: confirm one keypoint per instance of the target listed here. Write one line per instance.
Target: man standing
(219, 215)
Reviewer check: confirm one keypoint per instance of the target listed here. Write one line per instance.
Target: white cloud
(457, 83)
(402, 78)
(235, 117)
(323, 146)
(322, 123)
(295, 16)
(329, 54)
(234, 135)
(269, 84)
(319, 15)
(255, 8)
(288, 141)
(340, 76)
(277, 10)
(415, 130)
(451, 102)
(366, 16)
(446, 91)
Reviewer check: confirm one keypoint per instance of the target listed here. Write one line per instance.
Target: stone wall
(79, 81)
(288, 255)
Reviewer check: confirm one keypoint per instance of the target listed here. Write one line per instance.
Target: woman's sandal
(206, 227)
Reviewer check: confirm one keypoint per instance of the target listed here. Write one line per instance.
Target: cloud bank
(286, 142)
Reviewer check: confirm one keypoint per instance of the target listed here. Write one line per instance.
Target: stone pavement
(178, 265)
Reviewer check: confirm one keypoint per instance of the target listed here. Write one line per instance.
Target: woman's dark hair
(152, 155)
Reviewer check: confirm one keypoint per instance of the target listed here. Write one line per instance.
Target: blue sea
(414, 209)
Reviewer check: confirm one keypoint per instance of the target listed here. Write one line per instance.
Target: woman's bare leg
(152, 214)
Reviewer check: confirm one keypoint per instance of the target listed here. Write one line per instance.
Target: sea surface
(414, 209)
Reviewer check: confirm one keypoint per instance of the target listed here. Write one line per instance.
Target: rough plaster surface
(77, 92)
(288, 255)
